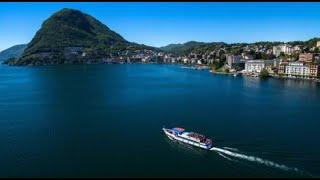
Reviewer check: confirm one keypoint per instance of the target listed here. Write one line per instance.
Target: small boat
(192, 138)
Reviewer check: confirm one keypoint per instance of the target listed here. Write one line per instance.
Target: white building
(185, 60)
(297, 69)
(254, 66)
(318, 43)
(285, 48)
(297, 48)
(145, 59)
(246, 56)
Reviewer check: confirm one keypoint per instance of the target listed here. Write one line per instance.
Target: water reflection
(253, 82)
(298, 83)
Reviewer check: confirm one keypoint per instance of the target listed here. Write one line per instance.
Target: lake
(106, 120)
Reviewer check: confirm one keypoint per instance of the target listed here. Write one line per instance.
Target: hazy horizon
(160, 24)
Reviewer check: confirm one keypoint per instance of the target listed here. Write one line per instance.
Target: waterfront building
(270, 65)
(306, 57)
(145, 59)
(185, 60)
(297, 69)
(314, 70)
(234, 60)
(282, 68)
(255, 66)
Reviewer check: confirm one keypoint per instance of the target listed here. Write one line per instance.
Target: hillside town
(286, 60)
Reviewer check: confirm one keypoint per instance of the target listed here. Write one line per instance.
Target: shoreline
(187, 66)
(270, 76)
(296, 78)
(317, 80)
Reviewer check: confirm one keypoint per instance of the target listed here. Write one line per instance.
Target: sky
(163, 23)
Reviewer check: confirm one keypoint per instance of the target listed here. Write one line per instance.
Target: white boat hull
(175, 137)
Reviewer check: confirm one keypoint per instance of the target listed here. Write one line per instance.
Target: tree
(294, 56)
(282, 55)
(264, 73)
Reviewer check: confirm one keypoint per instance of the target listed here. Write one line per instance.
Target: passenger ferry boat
(191, 138)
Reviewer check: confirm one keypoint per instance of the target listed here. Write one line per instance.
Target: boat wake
(229, 148)
(225, 156)
(252, 158)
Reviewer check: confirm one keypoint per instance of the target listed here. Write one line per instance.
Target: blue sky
(159, 24)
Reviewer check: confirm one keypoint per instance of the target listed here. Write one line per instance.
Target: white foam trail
(233, 149)
(253, 159)
(225, 156)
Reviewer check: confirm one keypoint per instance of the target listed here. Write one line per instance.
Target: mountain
(70, 36)
(171, 47)
(12, 52)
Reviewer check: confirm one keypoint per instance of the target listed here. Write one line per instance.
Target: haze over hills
(12, 52)
(70, 36)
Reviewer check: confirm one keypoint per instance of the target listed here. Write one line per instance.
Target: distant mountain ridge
(185, 48)
(198, 47)
(12, 52)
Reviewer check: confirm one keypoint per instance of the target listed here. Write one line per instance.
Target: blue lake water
(106, 120)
